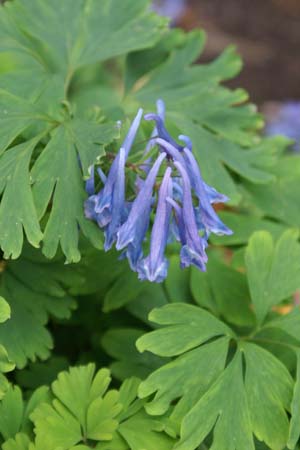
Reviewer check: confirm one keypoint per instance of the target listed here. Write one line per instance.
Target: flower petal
(155, 266)
(133, 231)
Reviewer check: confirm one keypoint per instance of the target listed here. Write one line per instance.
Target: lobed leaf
(273, 270)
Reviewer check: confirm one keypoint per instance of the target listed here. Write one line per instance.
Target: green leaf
(273, 270)
(33, 292)
(280, 200)
(16, 115)
(80, 410)
(126, 288)
(289, 323)
(148, 436)
(4, 310)
(14, 412)
(57, 173)
(269, 392)
(187, 378)
(235, 408)
(76, 30)
(55, 427)
(152, 296)
(236, 391)
(137, 430)
(20, 442)
(6, 365)
(41, 373)
(139, 63)
(17, 210)
(11, 412)
(243, 225)
(222, 408)
(294, 432)
(232, 303)
(177, 282)
(119, 343)
(181, 332)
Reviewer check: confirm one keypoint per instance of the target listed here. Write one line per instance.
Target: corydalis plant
(182, 204)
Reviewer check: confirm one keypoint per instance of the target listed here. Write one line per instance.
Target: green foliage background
(89, 356)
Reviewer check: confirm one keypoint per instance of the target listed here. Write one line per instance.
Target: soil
(267, 35)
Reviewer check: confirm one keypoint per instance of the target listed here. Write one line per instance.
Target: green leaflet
(4, 310)
(51, 175)
(136, 429)
(231, 303)
(224, 409)
(16, 115)
(76, 30)
(280, 199)
(17, 210)
(125, 289)
(289, 323)
(243, 407)
(294, 432)
(81, 409)
(243, 225)
(273, 270)
(177, 282)
(15, 411)
(11, 412)
(180, 334)
(180, 337)
(33, 291)
(5, 364)
(74, 143)
(41, 373)
(119, 343)
(212, 391)
(21, 442)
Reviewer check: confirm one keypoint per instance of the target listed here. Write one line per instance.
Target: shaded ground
(267, 35)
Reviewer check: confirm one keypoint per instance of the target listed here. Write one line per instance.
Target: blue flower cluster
(286, 121)
(182, 203)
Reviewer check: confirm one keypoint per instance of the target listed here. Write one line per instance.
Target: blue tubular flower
(128, 141)
(161, 111)
(173, 152)
(209, 217)
(126, 222)
(161, 130)
(132, 233)
(213, 195)
(193, 245)
(90, 183)
(118, 208)
(155, 266)
(99, 207)
(187, 141)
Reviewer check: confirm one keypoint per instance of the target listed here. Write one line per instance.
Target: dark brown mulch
(267, 34)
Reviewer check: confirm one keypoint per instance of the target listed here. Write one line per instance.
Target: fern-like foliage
(205, 360)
